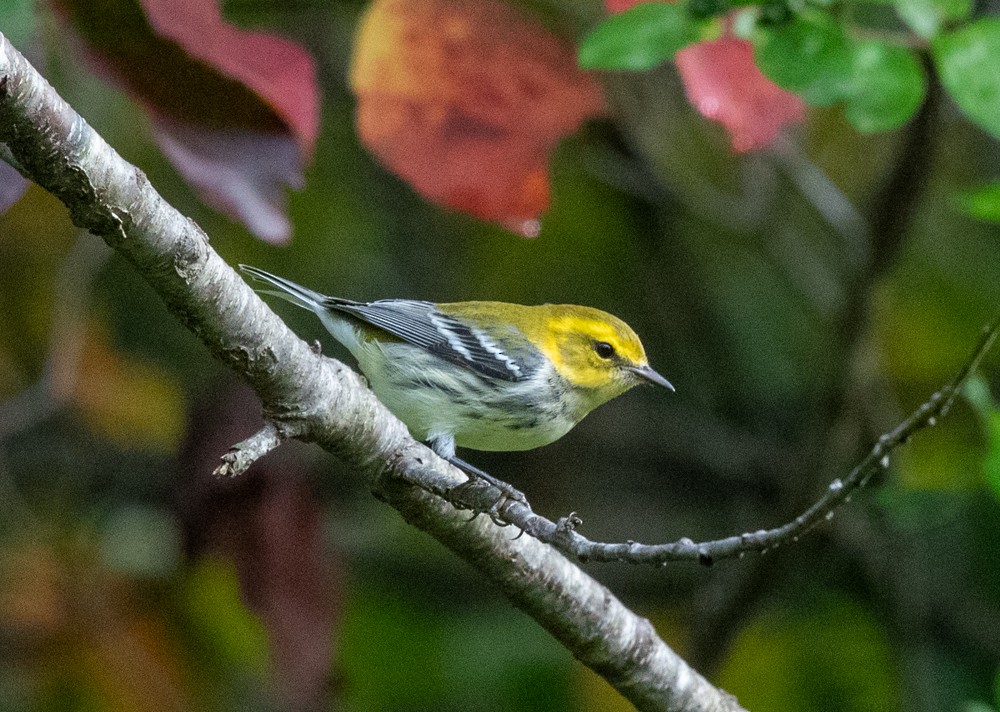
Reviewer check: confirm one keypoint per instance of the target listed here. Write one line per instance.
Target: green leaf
(640, 38)
(968, 61)
(975, 706)
(887, 86)
(17, 21)
(982, 203)
(925, 17)
(828, 653)
(808, 55)
(882, 85)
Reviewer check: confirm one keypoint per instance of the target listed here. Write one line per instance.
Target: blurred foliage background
(803, 299)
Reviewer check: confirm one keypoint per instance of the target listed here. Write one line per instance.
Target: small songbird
(481, 375)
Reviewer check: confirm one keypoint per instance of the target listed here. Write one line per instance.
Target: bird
(481, 375)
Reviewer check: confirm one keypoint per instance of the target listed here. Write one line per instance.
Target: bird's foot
(483, 493)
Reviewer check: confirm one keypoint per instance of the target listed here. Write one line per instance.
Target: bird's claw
(484, 497)
(483, 493)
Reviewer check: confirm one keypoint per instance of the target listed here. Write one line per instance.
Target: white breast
(437, 399)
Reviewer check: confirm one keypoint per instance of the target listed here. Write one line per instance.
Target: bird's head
(598, 354)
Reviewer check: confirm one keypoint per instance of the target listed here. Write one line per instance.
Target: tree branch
(314, 398)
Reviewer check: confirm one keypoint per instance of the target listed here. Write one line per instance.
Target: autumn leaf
(269, 523)
(235, 111)
(723, 83)
(32, 596)
(465, 99)
(70, 624)
(131, 401)
(616, 6)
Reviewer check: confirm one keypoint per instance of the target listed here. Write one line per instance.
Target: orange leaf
(465, 99)
(131, 664)
(33, 599)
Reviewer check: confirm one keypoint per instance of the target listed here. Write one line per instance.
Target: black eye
(604, 349)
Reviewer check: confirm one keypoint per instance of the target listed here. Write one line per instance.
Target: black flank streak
(522, 424)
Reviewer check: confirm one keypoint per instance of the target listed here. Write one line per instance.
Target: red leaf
(278, 71)
(236, 111)
(269, 523)
(286, 579)
(723, 83)
(616, 6)
(465, 99)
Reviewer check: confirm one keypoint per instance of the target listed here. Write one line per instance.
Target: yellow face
(594, 351)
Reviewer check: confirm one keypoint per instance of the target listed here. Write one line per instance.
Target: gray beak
(648, 374)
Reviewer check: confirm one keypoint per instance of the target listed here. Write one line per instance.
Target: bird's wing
(422, 324)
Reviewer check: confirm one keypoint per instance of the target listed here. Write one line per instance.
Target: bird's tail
(286, 289)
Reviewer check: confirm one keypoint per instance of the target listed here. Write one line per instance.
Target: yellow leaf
(132, 401)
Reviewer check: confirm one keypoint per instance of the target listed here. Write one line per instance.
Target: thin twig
(245, 453)
(564, 536)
